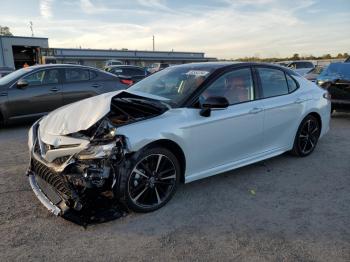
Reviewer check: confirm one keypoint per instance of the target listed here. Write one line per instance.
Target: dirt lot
(283, 209)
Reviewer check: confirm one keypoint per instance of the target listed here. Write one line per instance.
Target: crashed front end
(68, 172)
(65, 177)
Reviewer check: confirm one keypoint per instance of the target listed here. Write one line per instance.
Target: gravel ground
(282, 209)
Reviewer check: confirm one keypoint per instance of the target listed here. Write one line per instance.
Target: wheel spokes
(158, 162)
(152, 180)
(140, 194)
(158, 198)
(139, 173)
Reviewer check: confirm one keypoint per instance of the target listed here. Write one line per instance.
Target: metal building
(18, 51)
(97, 57)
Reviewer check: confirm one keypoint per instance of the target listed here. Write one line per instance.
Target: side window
(273, 82)
(44, 77)
(51, 77)
(93, 74)
(237, 86)
(292, 85)
(35, 79)
(76, 74)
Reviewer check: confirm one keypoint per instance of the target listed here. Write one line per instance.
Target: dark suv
(31, 92)
(336, 79)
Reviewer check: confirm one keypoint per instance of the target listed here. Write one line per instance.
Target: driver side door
(42, 95)
(228, 137)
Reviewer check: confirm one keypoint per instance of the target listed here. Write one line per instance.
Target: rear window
(76, 74)
(134, 71)
(273, 82)
(304, 65)
(338, 70)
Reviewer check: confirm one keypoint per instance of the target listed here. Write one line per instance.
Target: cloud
(45, 8)
(275, 28)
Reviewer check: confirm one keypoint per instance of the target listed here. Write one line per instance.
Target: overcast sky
(221, 28)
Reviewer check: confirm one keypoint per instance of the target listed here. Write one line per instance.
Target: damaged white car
(181, 124)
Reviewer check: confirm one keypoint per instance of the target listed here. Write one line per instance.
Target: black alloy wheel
(307, 136)
(153, 180)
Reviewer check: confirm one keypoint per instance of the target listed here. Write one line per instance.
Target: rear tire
(150, 179)
(306, 137)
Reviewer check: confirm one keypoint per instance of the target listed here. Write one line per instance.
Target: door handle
(96, 85)
(54, 89)
(256, 110)
(3, 94)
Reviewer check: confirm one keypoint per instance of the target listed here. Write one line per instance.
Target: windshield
(14, 75)
(174, 83)
(337, 70)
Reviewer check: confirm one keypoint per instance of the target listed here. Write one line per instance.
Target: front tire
(307, 136)
(151, 179)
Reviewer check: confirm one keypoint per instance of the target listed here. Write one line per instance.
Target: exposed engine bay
(70, 179)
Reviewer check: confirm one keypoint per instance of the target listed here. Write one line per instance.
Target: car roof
(131, 66)
(63, 65)
(223, 65)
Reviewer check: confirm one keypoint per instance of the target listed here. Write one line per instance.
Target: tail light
(327, 96)
(126, 82)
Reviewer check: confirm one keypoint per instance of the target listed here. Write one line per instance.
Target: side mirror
(22, 83)
(213, 102)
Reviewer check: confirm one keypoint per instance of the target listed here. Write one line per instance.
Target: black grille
(52, 178)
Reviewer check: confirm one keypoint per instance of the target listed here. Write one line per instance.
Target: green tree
(327, 56)
(296, 57)
(5, 31)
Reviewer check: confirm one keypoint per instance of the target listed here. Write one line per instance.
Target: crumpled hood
(82, 114)
(77, 116)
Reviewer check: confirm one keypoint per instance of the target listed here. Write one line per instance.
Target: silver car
(181, 124)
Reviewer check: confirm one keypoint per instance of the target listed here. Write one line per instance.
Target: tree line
(294, 57)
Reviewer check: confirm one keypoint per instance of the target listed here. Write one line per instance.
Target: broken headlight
(113, 148)
(105, 133)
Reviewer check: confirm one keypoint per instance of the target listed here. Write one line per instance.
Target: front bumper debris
(51, 184)
(42, 197)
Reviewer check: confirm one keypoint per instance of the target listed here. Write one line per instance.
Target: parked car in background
(5, 71)
(336, 79)
(314, 73)
(157, 67)
(301, 67)
(181, 124)
(113, 62)
(128, 74)
(347, 60)
(34, 91)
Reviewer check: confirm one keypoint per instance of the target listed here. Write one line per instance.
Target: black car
(336, 79)
(128, 74)
(31, 92)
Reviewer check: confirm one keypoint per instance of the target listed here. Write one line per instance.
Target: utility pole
(153, 43)
(31, 28)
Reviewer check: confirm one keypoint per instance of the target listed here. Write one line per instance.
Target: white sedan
(181, 124)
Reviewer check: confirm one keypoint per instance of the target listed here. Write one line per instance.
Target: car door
(77, 85)
(283, 104)
(229, 135)
(42, 95)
